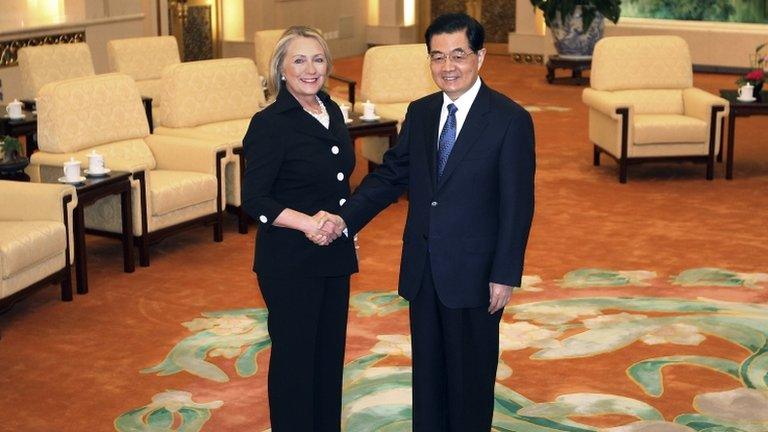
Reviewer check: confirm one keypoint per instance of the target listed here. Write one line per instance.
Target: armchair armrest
(605, 102)
(350, 86)
(187, 154)
(35, 201)
(41, 159)
(698, 103)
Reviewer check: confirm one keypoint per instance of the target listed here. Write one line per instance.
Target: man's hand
(328, 227)
(500, 295)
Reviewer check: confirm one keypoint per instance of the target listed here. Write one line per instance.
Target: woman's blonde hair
(281, 49)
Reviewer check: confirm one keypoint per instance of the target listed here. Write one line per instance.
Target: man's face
(453, 63)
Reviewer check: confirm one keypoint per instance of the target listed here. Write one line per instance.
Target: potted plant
(11, 148)
(577, 25)
(756, 74)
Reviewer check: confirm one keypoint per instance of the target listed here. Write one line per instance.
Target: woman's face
(304, 67)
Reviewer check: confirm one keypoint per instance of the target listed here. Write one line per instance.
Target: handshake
(327, 227)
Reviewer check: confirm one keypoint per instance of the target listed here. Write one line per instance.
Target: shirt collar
(464, 102)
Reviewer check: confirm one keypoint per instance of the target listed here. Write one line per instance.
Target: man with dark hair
(466, 157)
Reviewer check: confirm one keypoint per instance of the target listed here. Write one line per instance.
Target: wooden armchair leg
(623, 171)
(218, 228)
(595, 155)
(242, 221)
(143, 251)
(66, 282)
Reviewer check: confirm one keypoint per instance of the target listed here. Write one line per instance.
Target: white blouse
(323, 117)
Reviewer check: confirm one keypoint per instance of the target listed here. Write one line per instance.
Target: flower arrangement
(756, 74)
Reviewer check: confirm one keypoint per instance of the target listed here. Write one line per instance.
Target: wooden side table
(88, 192)
(740, 109)
(575, 65)
(382, 127)
(26, 127)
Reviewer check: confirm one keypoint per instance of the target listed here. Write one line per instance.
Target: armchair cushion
(84, 112)
(210, 91)
(650, 101)
(668, 128)
(264, 42)
(25, 244)
(40, 65)
(623, 62)
(174, 190)
(234, 129)
(396, 73)
(143, 58)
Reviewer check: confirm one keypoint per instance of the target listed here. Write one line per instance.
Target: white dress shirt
(463, 103)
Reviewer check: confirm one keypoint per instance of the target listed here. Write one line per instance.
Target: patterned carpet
(644, 308)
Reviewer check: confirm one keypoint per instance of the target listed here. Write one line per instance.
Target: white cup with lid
(14, 109)
(95, 163)
(72, 170)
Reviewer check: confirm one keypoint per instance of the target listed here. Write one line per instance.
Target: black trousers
(308, 326)
(455, 356)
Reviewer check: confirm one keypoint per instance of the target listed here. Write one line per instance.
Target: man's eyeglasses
(457, 56)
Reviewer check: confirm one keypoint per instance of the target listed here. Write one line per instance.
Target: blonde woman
(299, 157)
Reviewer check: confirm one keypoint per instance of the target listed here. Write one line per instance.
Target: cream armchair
(393, 76)
(213, 100)
(40, 65)
(36, 242)
(643, 106)
(177, 182)
(144, 59)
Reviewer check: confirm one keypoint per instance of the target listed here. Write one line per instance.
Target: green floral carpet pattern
(377, 385)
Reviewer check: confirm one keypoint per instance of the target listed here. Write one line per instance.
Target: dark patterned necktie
(447, 138)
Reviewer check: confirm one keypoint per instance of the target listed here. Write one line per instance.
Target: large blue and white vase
(572, 41)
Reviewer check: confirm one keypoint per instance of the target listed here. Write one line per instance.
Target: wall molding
(9, 48)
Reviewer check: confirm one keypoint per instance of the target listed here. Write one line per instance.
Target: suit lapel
(307, 124)
(471, 131)
(431, 133)
(304, 122)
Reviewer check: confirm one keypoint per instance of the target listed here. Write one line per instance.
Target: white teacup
(345, 111)
(14, 109)
(747, 92)
(369, 109)
(72, 170)
(95, 163)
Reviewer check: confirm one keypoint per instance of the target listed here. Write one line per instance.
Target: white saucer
(15, 118)
(348, 121)
(64, 180)
(370, 118)
(101, 174)
(746, 100)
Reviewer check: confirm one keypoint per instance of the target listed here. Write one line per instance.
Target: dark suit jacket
(474, 221)
(292, 161)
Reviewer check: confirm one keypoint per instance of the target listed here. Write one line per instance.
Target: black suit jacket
(472, 222)
(292, 161)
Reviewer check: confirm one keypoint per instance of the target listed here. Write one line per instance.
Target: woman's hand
(325, 229)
